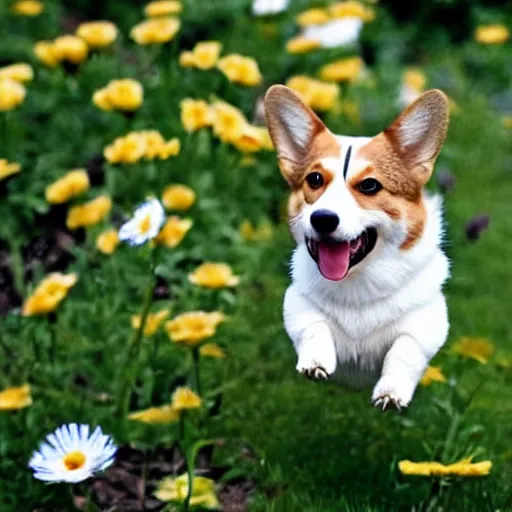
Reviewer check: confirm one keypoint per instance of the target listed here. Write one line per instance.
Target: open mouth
(335, 258)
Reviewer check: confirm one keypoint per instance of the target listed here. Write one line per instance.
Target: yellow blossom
(126, 95)
(228, 122)
(89, 213)
(184, 398)
(240, 69)
(301, 44)
(12, 399)
(155, 143)
(251, 233)
(187, 60)
(252, 139)
(213, 275)
(50, 292)
(71, 185)
(45, 52)
(70, 48)
(318, 95)
(107, 241)
(432, 374)
(155, 31)
(162, 8)
(507, 121)
(492, 34)
(8, 168)
(128, 149)
(352, 9)
(28, 7)
(170, 148)
(343, 70)
(462, 468)
(479, 349)
(175, 489)
(12, 94)
(212, 350)
(17, 72)
(173, 232)
(195, 114)
(314, 16)
(178, 197)
(153, 321)
(415, 79)
(194, 326)
(162, 415)
(97, 34)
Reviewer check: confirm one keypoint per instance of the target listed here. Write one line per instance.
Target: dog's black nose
(324, 221)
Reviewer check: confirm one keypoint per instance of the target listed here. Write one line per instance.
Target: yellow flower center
(74, 460)
(145, 224)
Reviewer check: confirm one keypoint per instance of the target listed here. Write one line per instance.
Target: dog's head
(352, 195)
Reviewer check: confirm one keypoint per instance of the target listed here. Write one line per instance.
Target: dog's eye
(369, 186)
(315, 180)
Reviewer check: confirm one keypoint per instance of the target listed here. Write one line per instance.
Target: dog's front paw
(391, 392)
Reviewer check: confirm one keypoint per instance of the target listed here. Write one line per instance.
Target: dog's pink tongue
(334, 260)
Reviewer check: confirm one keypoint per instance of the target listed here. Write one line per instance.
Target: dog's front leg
(311, 336)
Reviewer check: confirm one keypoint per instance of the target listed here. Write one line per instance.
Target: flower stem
(132, 354)
(197, 377)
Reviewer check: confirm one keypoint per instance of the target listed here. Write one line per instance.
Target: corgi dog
(366, 305)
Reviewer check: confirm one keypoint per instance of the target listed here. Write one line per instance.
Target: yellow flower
(507, 121)
(8, 168)
(12, 399)
(313, 17)
(173, 231)
(128, 149)
(492, 34)
(415, 79)
(253, 139)
(212, 350)
(432, 374)
(240, 69)
(97, 34)
(28, 7)
(107, 241)
(184, 398)
(45, 52)
(479, 349)
(153, 321)
(17, 72)
(170, 148)
(50, 292)
(162, 8)
(462, 468)
(89, 213)
(162, 415)
(194, 326)
(318, 95)
(352, 9)
(155, 143)
(70, 48)
(176, 490)
(343, 70)
(187, 60)
(195, 114)
(12, 94)
(250, 233)
(213, 275)
(301, 44)
(71, 185)
(204, 55)
(178, 197)
(126, 94)
(228, 122)
(155, 31)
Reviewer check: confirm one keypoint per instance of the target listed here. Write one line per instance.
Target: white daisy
(264, 7)
(71, 455)
(335, 33)
(145, 224)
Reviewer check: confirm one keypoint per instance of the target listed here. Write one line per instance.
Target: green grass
(307, 446)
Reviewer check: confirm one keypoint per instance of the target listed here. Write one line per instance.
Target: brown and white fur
(366, 305)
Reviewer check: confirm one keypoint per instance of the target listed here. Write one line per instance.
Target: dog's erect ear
(293, 127)
(419, 132)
